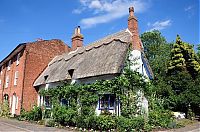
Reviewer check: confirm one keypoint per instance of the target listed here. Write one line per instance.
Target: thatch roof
(102, 57)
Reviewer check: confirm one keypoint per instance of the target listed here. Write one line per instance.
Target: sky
(27, 20)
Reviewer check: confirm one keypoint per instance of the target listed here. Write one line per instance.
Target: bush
(106, 122)
(23, 115)
(160, 118)
(127, 124)
(4, 109)
(49, 122)
(35, 114)
(64, 116)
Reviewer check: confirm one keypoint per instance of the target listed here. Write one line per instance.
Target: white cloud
(159, 25)
(95, 4)
(78, 11)
(188, 8)
(108, 10)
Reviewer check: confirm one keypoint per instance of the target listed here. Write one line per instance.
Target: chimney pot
(77, 38)
(131, 11)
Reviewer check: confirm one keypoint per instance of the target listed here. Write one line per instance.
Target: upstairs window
(18, 58)
(9, 63)
(107, 102)
(7, 82)
(16, 78)
(1, 70)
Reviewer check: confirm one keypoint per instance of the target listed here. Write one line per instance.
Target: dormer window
(71, 71)
(45, 77)
(18, 58)
(9, 63)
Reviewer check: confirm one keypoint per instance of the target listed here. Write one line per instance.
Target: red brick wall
(39, 54)
(11, 89)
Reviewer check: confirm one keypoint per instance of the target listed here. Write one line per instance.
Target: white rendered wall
(137, 64)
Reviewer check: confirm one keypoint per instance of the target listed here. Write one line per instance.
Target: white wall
(136, 59)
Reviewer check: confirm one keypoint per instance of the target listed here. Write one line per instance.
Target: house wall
(39, 54)
(136, 59)
(13, 89)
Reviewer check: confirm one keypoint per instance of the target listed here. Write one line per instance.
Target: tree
(183, 58)
(157, 51)
(183, 77)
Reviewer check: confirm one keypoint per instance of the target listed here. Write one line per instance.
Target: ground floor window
(64, 102)
(107, 102)
(6, 97)
(47, 102)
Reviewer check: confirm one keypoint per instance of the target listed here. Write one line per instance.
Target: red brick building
(21, 67)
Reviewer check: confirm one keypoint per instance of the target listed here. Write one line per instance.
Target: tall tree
(183, 58)
(157, 51)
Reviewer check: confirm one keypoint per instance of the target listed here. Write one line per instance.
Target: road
(22, 126)
(14, 125)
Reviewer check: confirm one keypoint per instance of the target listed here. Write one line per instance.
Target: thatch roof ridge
(103, 41)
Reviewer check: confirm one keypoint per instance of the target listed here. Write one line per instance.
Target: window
(16, 78)
(1, 70)
(47, 102)
(9, 63)
(18, 58)
(5, 97)
(7, 81)
(107, 102)
(64, 102)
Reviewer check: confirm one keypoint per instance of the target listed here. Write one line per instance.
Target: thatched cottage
(100, 60)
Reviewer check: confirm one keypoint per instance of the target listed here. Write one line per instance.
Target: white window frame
(18, 58)
(16, 77)
(9, 63)
(7, 82)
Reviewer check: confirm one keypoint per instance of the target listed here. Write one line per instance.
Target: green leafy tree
(183, 58)
(157, 51)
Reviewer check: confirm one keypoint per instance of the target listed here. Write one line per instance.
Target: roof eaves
(14, 52)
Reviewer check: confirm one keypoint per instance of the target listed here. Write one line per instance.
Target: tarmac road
(21, 126)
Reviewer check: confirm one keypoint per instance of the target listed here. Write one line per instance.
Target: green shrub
(4, 109)
(49, 122)
(127, 124)
(64, 116)
(160, 118)
(23, 115)
(106, 122)
(35, 114)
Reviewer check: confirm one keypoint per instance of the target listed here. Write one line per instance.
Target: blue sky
(26, 20)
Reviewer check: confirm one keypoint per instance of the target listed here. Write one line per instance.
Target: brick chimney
(77, 39)
(133, 28)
